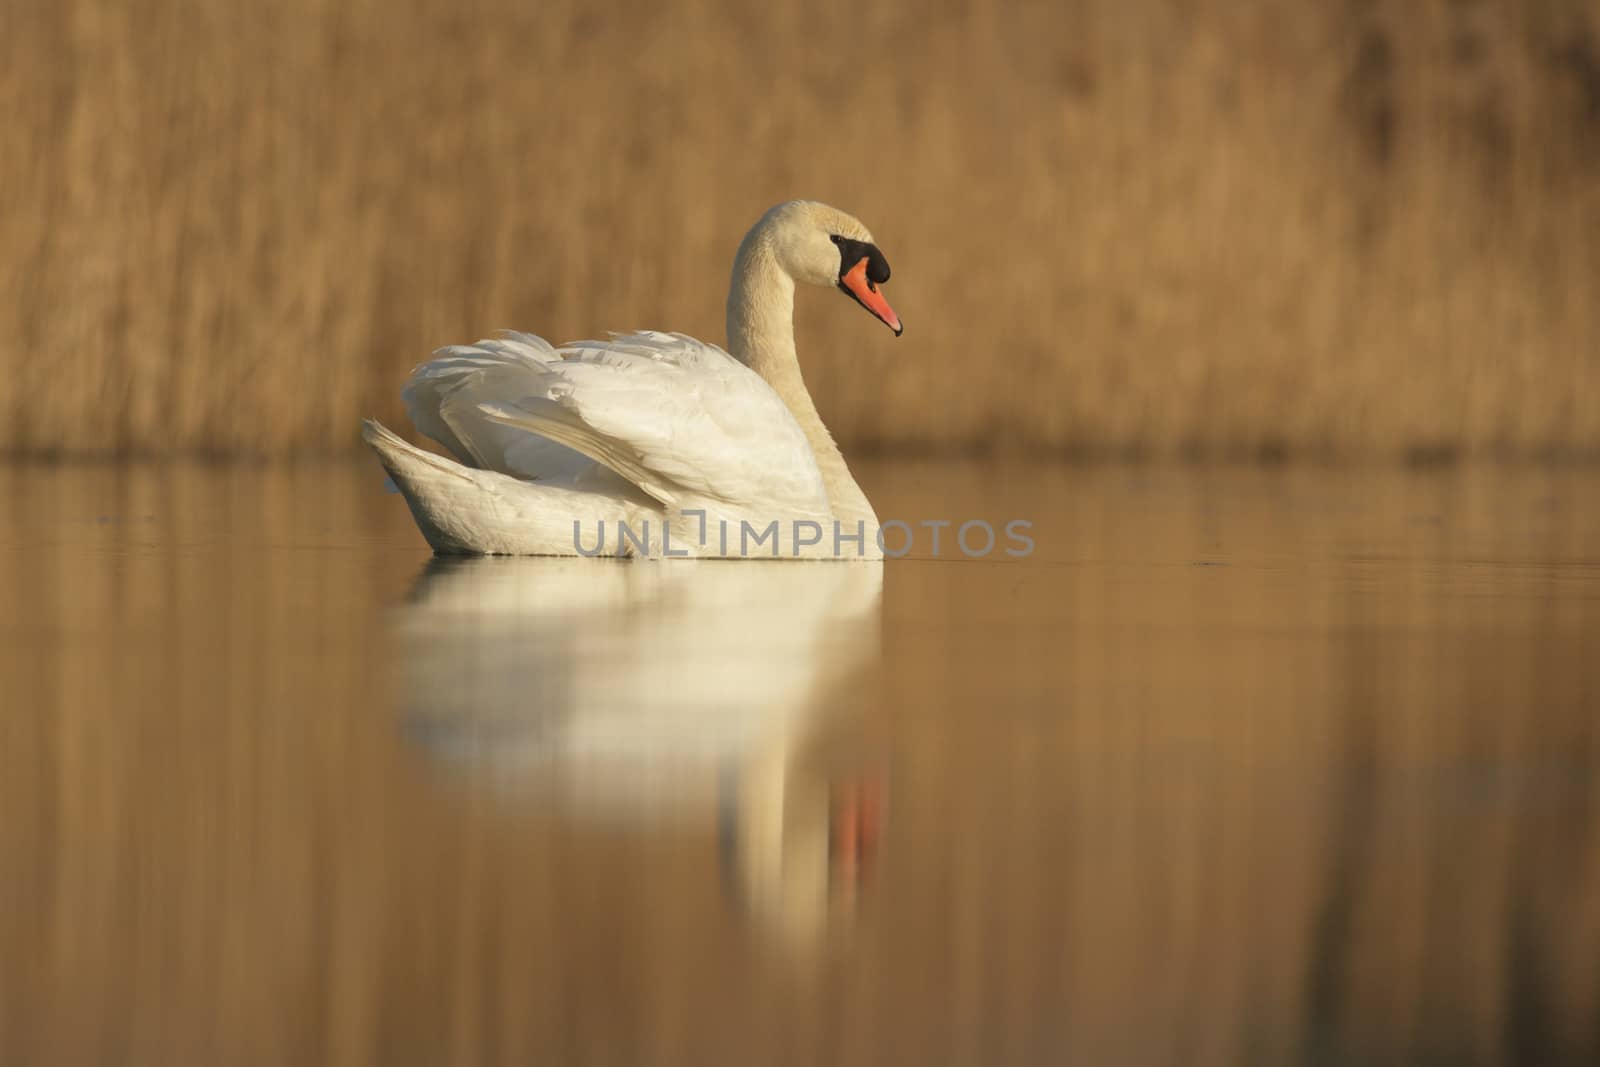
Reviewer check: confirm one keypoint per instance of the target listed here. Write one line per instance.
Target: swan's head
(821, 245)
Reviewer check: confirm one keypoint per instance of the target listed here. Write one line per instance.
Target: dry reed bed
(1247, 228)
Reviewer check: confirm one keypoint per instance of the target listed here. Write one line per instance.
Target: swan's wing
(676, 417)
(443, 395)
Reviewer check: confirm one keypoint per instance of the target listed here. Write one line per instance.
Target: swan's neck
(761, 336)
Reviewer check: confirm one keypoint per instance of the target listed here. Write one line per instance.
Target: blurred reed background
(1245, 228)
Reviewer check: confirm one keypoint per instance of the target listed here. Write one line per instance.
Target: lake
(1238, 764)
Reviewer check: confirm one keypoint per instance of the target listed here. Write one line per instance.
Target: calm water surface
(1240, 766)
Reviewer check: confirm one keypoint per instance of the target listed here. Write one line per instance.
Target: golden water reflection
(661, 697)
(1241, 766)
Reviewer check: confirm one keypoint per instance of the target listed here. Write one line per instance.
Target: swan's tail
(405, 461)
(466, 511)
(428, 482)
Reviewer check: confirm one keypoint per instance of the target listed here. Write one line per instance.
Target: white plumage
(557, 450)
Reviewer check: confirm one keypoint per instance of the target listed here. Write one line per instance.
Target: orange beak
(855, 282)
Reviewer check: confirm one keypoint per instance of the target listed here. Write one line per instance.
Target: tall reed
(1254, 227)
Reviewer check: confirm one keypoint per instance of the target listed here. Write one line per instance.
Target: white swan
(650, 443)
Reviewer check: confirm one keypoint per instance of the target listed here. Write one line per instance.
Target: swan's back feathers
(678, 418)
(442, 400)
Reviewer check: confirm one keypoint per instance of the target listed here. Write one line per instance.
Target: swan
(650, 443)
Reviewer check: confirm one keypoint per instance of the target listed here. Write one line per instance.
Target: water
(1244, 765)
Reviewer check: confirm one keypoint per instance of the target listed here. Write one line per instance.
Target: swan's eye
(852, 252)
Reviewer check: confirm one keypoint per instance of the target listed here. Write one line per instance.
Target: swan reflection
(689, 694)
